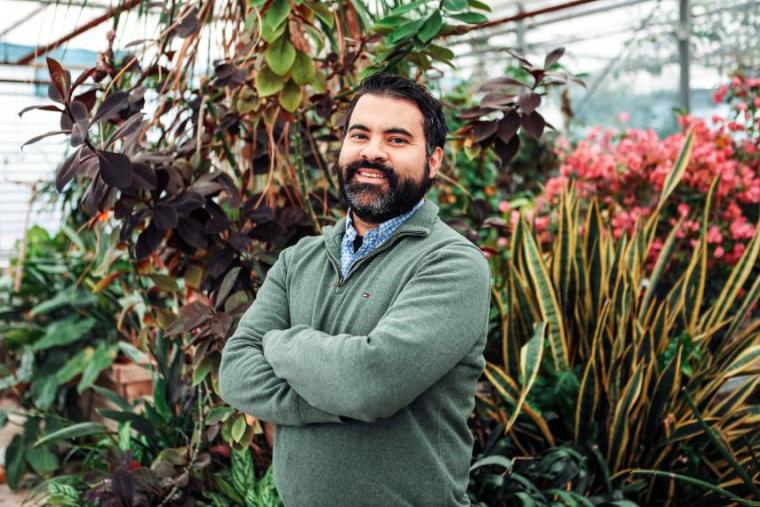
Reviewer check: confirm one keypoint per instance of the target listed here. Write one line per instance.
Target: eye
(358, 136)
(398, 140)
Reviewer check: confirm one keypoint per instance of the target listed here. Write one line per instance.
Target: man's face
(383, 168)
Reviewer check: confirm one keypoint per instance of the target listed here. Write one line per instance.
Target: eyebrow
(393, 130)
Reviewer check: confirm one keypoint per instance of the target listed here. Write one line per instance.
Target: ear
(435, 160)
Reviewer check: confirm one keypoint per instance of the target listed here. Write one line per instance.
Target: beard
(373, 203)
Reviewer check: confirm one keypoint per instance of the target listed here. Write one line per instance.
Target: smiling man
(364, 344)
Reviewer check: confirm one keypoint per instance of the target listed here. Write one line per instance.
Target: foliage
(562, 475)
(626, 171)
(627, 353)
(59, 333)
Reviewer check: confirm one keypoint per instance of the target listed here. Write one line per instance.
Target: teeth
(370, 175)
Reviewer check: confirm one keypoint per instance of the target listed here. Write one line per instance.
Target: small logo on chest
(365, 295)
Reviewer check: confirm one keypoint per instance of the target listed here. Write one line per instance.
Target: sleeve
(247, 381)
(437, 318)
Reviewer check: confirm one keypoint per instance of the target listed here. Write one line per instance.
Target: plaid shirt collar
(373, 239)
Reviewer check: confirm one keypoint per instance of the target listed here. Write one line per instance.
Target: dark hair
(389, 85)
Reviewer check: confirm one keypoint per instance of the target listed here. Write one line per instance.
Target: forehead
(382, 113)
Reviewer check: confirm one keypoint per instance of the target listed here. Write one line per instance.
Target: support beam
(684, 28)
(461, 30)
(87, 26)
(553, 19)
(70, 3)
(521, 45)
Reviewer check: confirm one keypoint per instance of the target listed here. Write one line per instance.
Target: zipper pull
(339, 283)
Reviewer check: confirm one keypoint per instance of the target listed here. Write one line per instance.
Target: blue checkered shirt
(373, 239)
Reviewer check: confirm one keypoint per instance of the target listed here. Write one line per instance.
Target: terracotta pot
(130, 380)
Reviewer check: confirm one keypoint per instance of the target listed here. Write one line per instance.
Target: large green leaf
(303, 70)
(64, 332)
(14, 462)
(75, 365)
(83, 429)
(102, 358)
(675, 175)
(42, 460)
(243, 478)
(548, 302)
(280, 55)
(431, 27)
(267, 82)
(290, 96)
(74, 298)
(277, 13)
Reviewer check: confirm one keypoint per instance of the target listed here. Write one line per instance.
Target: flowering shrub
(626, 170)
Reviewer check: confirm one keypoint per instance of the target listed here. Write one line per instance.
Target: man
(364, 345)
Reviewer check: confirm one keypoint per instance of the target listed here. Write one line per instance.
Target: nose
(373, 151)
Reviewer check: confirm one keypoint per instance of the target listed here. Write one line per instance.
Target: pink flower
(714, 235)
(683, 209)
(756, 101)
(741, 230)
(502, 241)
(503, 206)
(542, 223)
(624, 117)
(720, 93)
(719, 252)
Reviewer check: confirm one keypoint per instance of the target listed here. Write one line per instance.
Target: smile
(369, 173)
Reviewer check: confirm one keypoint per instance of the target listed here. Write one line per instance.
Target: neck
(360, 225)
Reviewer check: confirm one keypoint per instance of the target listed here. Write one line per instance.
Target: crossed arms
(297, 375)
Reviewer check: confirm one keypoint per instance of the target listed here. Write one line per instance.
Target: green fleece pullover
(370, 378)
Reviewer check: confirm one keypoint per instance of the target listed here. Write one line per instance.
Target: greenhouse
(453, 253)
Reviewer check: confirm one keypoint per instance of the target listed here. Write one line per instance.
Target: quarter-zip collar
(419, 223)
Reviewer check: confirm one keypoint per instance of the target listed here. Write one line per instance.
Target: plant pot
(130, 380)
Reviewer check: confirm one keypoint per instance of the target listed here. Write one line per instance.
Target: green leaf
(475, 4)
(64, 332)
(74, 431)
(471, 18)
(218, 414)
(14, 462)
(675, 174)
(44, 389)
(455, 5)
(268, 83)
(495, 459)
(303, 70)
(42, 460)
(290, 97)
(280, 55)
(101, 359)
(113, 397)
(271, 34)
(139, 422)
(243, 478)
(66, 297)
(225, 487)
(75, 365)
(132, 352)
(388, 24)
(63, 495)
(431, 27)
(277, 14)
(238, 428)
(322, 12)
(201, 371)
(405, 31)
